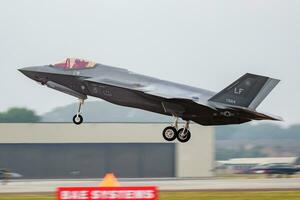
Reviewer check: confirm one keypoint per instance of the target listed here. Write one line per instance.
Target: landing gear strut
(171, 132)
(78, 119)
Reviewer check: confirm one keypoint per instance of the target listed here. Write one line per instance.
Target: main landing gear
(171, 132)
(78, 119)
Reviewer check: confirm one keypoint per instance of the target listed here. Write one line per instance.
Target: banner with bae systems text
(107, 193)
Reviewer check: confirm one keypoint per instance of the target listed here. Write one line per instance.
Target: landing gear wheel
(170, 133)
(77, 119)
(183, 136)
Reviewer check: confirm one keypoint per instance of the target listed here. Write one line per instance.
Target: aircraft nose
(28, 71)
(34, 73)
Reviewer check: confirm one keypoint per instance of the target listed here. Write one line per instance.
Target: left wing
(173, 100)
(165, 90)
(128, 85)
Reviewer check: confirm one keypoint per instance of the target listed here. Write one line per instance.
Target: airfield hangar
(130, 150)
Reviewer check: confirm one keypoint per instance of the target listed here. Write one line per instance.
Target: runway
(39, 186)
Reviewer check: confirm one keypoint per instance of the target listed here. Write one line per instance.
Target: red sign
(107, 193)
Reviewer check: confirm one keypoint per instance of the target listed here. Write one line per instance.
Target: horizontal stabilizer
(253, 115)
(247, 92)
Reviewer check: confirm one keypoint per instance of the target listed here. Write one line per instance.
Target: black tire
(170, 133)
(77, 119)
(183, 137)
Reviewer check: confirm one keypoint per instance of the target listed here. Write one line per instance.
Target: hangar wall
(92, 160)
(192, 159)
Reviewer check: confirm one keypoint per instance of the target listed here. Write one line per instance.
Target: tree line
(19, 115)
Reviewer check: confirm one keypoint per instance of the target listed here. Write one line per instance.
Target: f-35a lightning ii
(235, 104)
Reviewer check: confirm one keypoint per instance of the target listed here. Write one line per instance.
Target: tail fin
(248, 91)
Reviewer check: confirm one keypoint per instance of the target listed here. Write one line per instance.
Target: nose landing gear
(78, 119)
(183, 135)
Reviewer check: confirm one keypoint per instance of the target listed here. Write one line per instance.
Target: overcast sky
(207, 44)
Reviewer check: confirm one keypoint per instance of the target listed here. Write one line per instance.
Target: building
(62, 150)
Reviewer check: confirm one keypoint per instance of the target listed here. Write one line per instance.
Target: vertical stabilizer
(248, 91)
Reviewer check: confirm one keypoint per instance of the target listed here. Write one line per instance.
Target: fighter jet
(275, 169)
(6, 175)
(235, 104)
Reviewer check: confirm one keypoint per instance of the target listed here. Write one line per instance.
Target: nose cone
(26, 71)
(35, 73)
(29, 71)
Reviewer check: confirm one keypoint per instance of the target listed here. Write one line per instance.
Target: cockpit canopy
(74, 63)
